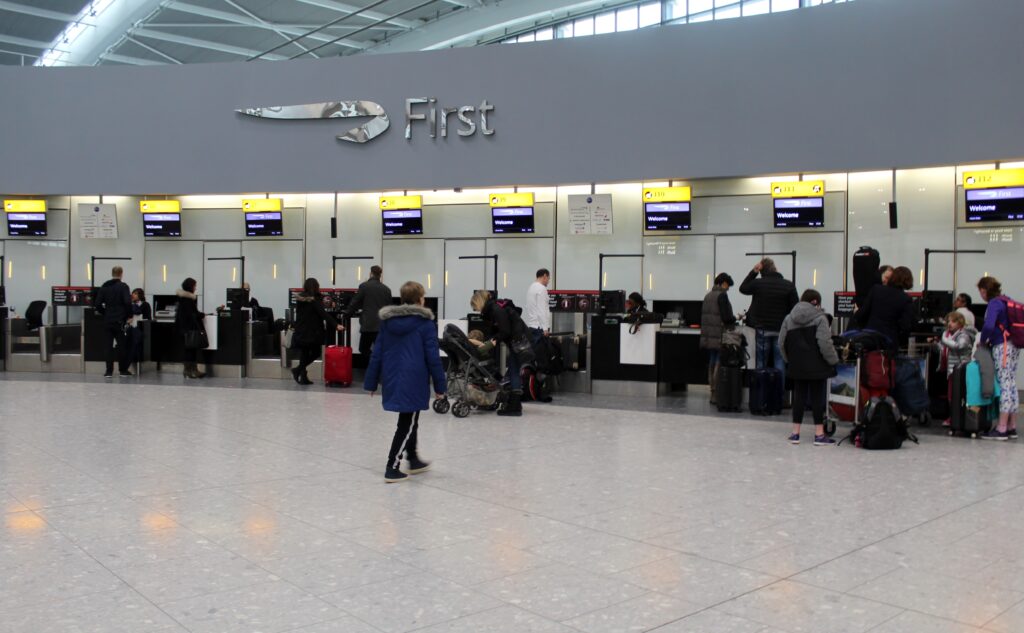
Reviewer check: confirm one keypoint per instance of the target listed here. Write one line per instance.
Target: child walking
(405, 359)
(805, 341)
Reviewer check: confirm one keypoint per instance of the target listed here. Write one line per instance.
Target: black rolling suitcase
(729, 390)
(766, 391)
(574, 350)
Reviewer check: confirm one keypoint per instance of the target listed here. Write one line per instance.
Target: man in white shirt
(962, 304)
(537, 312)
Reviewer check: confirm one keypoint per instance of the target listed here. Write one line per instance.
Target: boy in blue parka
(404, 361)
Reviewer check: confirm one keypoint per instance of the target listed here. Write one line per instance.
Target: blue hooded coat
(405, 359)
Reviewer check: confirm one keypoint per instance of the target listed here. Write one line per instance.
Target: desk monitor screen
(512, 220)
(237, 298)
(29, 224)
(264, 224)
(406, 222)
(995, 205)
(799, 213)
(667, 216)
(164, 302)
(161, 224)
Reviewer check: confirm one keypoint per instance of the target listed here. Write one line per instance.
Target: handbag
(522, 348)
(196, 339)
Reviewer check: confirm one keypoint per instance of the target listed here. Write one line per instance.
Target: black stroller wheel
(461, 409)
(441, 405)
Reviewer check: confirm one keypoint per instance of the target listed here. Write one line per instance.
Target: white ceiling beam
(242, 20)
(341, 7)
(467, 26)
(127, 59)
(39, 13)
(265, 25)
(21, 41)
(107, 31)
(197, 43)
(154, 50)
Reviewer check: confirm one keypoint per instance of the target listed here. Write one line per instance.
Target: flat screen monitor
(161, 224)
(667, 216)
(995, 205)
(512, 220)
(263, 224)
(404, 222)
(31, 224)
(799, 213)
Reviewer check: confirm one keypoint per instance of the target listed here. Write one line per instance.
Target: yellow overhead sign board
(160, 206)
(262, 204)
(511, 199)
(993, 178)
(25, 206)
(801, 189)
(399, 203)
(667, 194)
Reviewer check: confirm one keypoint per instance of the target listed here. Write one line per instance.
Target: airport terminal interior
(555, 241)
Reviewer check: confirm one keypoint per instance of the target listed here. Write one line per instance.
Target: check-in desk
(94, 347)
(227, 355)
(651, 362)
(48, 348)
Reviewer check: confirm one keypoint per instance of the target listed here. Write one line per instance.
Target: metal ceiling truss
(14, 7)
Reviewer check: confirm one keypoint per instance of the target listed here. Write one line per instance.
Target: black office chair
(34, 315)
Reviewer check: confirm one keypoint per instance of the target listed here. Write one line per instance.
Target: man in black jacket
(773, 297)
(371, 297)
(114, 302)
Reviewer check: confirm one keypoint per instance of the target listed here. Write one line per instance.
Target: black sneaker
(108, 375)
(393, 476)
(1011, 433)
(125, 374)
(417, 466)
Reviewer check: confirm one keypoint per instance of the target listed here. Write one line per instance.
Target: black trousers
(307, 354)
(810, 393)
(404, 443)
(366, 341)
(114, 333)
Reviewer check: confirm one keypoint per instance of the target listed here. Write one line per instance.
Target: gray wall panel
(870, 84)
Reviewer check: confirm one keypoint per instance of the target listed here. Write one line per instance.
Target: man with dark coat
(716, 315)
(114, 302)
(772, 299)
(370, 298)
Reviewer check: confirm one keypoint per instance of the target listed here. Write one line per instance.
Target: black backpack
(549, 357)
(866, 262)
(732, 356)
(881, 427)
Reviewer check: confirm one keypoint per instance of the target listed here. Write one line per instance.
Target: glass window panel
(650, 14)
(703, 17)
(725, 3)
(510, 40)
(584, 26)
(545, 34)
(785, 5)
(604, 23)
(756, 7)
(527, 37)
(728, 12)
(563, 30)
(626, 20)
(674, 9)
(699, 6)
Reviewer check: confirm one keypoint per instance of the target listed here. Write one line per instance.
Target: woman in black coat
(508, 325)
(889, 310)
(309, 333)
(141, 311)
(188, 318)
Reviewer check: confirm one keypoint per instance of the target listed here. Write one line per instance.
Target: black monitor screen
(799, 212)
(512, 220)
(33, 224)
(406, 222)
(263, 224)
(161, 224)
(995, 205)
(667, 216)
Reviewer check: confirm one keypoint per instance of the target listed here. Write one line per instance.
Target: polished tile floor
(233, 506)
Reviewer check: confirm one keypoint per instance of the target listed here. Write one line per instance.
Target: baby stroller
(473, 383)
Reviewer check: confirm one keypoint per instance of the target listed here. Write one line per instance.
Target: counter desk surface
(677, 358)
(167, 343)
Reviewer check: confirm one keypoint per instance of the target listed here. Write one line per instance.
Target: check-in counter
(652, 361)
(93, 342)
(227, 355)
(48, 348)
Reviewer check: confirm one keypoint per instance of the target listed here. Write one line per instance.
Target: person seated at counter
(635, 306)
(141, 311)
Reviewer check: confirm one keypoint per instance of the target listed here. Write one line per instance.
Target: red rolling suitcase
(338, 363)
